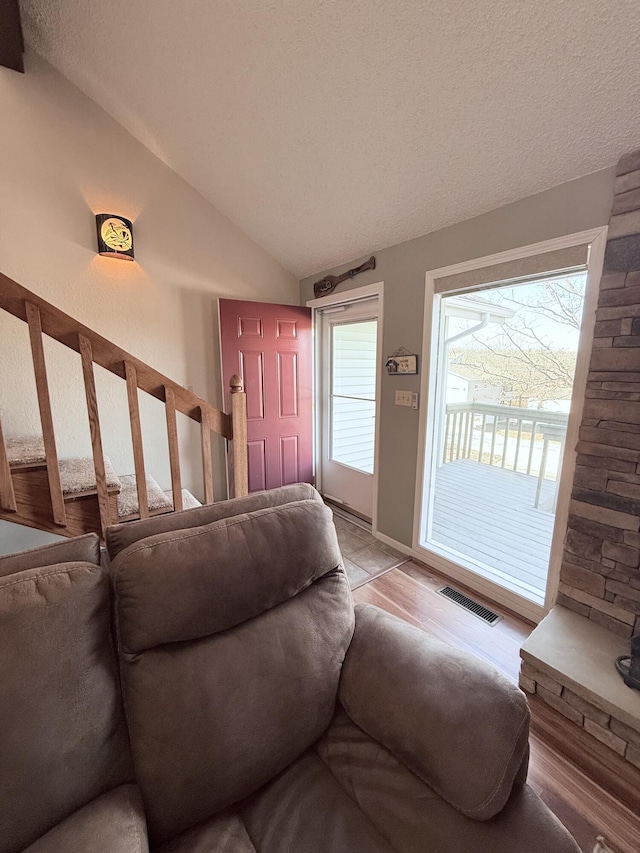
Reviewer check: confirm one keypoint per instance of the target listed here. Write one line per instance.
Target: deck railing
(509, 437)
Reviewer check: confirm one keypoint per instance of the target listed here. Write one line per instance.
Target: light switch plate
(404, 398)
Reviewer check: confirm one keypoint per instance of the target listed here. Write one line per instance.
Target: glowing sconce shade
(115, 236)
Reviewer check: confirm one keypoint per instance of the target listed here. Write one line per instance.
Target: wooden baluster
(86, 356)
(7, 494)
(506, 440)
(46, 418)
(496, 424)
(239, 431)
(534, 429)
(482, 429)
(136, 439)
(207, 463)
(470, 434)
(465, 435)
(446, 437)
(518, 442)
(174, 454)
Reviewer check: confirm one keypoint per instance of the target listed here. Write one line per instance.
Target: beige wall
(62, 159)
(566, 209)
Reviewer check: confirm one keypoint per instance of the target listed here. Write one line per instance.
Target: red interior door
(270, 347)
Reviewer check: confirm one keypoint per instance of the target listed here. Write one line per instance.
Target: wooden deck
(487, 515)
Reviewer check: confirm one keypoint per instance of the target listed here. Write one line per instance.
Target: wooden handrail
(44, 318)
(63, 328)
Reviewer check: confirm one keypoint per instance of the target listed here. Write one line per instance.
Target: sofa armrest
(453, 720)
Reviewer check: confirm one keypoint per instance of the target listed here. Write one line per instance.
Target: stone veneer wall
(600, 577)
(618, 736)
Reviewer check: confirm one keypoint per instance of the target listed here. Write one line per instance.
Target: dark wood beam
(11, 40)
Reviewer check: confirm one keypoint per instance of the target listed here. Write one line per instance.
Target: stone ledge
(580, 654)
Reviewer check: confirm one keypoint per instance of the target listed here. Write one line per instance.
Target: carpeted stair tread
(189, 501)
(128, 497)
(78, 475)
(25, 450)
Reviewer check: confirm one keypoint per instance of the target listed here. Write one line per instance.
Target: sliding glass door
(505, 365)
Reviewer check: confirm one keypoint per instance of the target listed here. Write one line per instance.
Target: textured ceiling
(330, 128)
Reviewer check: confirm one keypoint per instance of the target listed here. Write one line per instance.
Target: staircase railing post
(239, 437)
(207, 462)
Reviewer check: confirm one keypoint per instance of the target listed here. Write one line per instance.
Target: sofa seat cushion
(350, 794)
(112, 823)
(415, 819)
(302, 809)
(306, 809)
(225, 833)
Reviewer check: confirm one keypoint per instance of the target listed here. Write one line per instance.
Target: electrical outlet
(404, 398)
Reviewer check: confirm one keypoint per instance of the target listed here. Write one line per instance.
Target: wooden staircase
(31, 493)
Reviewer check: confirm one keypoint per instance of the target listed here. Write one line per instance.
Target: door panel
(257, 460)
(252, 373)
(270, 347)
(289, 460)
(288, 384)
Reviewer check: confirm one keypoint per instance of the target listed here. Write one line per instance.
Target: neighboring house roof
(475, 308)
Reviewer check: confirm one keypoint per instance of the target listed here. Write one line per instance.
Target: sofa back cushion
(82, 549)
(120, 536)
(62, 738)
(231, 638)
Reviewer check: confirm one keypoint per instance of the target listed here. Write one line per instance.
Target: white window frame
(596, 238)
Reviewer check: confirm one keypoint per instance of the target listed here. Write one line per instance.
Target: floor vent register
(469, 604)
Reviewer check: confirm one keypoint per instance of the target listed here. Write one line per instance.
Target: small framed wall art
(402, 362)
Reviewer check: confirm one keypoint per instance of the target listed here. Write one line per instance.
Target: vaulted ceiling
(330, 128)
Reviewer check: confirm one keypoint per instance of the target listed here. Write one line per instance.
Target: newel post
(239, 437)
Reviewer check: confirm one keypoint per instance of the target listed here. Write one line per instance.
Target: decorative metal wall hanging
(328, 284)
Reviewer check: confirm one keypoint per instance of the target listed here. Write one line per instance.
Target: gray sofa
(215, 690)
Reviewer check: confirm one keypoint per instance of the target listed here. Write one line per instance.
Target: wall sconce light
(115, 236)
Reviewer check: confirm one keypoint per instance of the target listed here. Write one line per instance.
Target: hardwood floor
(588, 811)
